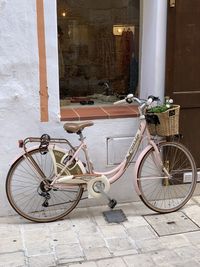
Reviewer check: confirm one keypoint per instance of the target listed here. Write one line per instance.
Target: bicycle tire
(24, 190)
(161, 194)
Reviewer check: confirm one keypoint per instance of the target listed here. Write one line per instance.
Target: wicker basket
(168, 122)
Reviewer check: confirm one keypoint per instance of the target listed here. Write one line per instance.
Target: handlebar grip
(129, 100)
(154, 98)
(120, 102)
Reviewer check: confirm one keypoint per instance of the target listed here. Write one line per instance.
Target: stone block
(84, 264)
(69, 253)
(111, 231)
(171, 223)
(11, 245)
(38, 261)
(97, 253)
(120, 244)
(113, 262)
(16, 259)
(91, 241)
(64, 237)
(141, 233)
(142, 260)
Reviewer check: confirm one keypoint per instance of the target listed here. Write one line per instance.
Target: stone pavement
(86, 239)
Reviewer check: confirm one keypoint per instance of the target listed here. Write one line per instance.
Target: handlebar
(130, 98)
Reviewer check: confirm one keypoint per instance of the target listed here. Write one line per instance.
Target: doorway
(183, 68)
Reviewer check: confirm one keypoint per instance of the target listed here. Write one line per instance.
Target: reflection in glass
(97, 49)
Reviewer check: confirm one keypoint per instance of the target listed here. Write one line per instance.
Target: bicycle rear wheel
(28, 195)
(163, 193)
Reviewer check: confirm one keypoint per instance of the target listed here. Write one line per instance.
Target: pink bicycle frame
(117, 172)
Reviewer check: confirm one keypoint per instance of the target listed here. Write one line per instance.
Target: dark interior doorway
(183, 68)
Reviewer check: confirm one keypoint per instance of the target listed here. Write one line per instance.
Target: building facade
(29, 78)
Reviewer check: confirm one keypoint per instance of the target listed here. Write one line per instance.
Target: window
(98, 50)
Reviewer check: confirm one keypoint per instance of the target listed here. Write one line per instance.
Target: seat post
(80, 135)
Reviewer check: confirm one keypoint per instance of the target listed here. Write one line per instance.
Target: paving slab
(134, 221)
(120, 244)
(91, 241)
(171, 223)
(141, 232)
(9, 245)
(166, 256)
(38, 261)
(16, 259)
(84, 264)
(114, 262)
(111, 231)
(149, 245)
(97, 253)
(69, 253)
(140, 260)
(193, 212)
(190, 263)
(86, 239)
(193, 237)
(188, 252)
(175, 241)
(64, 237)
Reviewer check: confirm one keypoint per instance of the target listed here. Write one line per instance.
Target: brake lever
(154, 98)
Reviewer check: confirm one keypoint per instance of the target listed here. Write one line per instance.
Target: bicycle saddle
(75, 127)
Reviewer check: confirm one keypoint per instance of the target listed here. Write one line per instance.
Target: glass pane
(98, 49)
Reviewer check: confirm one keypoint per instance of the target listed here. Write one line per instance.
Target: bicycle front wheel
(166, 186)
(28, 195)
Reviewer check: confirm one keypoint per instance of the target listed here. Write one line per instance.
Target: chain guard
(92, 186)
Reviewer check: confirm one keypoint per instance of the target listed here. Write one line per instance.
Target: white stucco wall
(19, 94)
(19, 80)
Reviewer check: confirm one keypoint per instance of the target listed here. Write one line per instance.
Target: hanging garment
(61, 62)
(127, 47)
(105, 47)
(133, 74)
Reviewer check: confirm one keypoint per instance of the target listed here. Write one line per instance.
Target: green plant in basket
(161, 108)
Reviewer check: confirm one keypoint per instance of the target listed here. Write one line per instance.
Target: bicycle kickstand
(112, 202)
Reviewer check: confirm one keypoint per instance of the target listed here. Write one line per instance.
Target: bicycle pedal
(112, 203)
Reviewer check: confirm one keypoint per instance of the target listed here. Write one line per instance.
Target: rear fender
(28, 150)
(23, 153)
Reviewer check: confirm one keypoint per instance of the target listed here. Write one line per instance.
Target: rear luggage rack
(43, 141)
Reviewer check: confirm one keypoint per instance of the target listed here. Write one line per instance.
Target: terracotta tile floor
(98, 112)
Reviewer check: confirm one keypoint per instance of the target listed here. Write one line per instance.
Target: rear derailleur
(43, 191)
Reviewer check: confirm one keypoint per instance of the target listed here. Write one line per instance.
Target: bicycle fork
(157, 161)
(163, 165)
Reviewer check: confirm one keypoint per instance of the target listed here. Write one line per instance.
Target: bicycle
(47, 182)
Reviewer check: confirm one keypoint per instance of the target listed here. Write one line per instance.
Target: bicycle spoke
(27, 194)
(162, 193)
